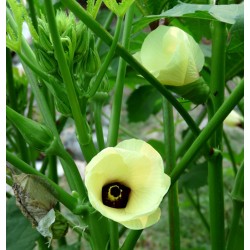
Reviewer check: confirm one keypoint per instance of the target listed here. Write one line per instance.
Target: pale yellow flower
(126, 183)
(172, 56)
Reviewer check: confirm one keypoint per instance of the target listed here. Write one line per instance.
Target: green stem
(21, 144)
(216, 121)
(215, 171)
(83, 131)
(52, 169)
(131, 240)
(121, 51)
(72, 174)
(118, 92)
(230, 152)
(44, 165)
(98, 79)
(232, 242)
(30, 107)
(114, 235)
(66, 199)
(98, 124)
(173, 206)
(197, 209)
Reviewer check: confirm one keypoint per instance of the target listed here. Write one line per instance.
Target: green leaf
(223, 13)
(235, 49)
(236, 34)
(141, 103)
(20, 234)
(118, 8)
(196, 177)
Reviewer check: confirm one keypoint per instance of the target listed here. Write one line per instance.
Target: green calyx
(196, 92)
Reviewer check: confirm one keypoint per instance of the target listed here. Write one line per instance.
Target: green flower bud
(93, 62)
(34, 133)
(34, 196)
(74, 37)
(175, 59)
(47, 62)
(89, 69)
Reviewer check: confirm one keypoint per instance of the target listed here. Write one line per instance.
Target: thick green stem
(216, 121)
(118, 92)
(107, 38)
(131, 240)
(83, 130)
(114, 235)
(173, 206)
(215, 173)
(66, 199)
(21, 144)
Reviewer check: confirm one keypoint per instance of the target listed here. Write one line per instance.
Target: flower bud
(74, 37)
(175, 59)
(34, 133)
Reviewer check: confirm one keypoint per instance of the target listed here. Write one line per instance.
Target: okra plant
(153, 91)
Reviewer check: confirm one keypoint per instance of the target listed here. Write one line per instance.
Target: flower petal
(143, 221)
